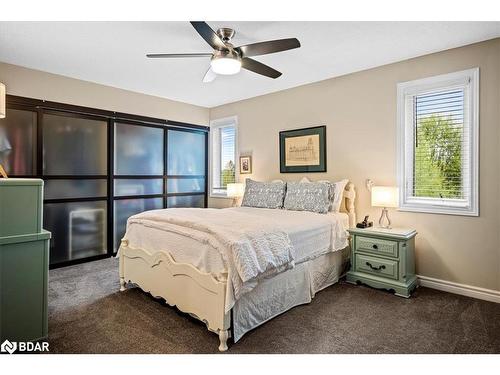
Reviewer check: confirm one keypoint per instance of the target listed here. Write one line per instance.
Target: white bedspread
(251, 248)
(251, 243)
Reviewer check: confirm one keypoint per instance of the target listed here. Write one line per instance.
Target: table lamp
(235, 191)
(385, 196)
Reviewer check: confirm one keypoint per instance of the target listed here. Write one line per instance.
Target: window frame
(215, 125)
(406, 91)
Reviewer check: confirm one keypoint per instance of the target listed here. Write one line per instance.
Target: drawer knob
(375, 246)
(382, 267)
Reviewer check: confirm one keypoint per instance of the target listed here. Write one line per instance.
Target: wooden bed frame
(200, 294)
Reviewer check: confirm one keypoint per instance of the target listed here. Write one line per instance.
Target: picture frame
(303, 150)
(245, 164)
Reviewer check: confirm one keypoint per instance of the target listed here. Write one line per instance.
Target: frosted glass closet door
(186, 169)
(75, 168)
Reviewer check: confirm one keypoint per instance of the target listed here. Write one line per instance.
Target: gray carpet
(87, 314)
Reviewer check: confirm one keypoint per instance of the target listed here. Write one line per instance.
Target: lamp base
(385, 213)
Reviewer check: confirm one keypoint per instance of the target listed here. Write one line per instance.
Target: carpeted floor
(87, 314)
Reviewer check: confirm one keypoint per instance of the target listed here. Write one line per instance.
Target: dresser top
(20, 181)
(403, 233)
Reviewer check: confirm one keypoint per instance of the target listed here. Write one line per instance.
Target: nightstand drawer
(377, 246)
(377, 266)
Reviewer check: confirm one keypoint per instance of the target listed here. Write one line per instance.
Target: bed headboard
(347, 205)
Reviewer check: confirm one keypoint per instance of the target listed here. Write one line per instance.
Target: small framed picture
(245, 164)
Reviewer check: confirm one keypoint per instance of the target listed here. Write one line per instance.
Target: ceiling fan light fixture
(226, 65)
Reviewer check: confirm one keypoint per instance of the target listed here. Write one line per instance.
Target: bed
(278, 259)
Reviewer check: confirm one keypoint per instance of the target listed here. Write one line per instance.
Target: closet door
(186, 168)
(138, 172)
(75, 167)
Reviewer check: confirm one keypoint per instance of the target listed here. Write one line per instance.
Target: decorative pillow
(331, 192)
(312, 196)
(263, 194)
(336, 192)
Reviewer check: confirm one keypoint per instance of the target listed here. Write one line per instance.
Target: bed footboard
(182, 285)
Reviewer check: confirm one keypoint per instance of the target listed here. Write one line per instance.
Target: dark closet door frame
(41, 107)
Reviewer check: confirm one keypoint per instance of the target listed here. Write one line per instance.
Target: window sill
(439, 210)
(219, 196)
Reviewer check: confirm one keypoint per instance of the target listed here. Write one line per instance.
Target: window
(438, 144)
(224, 148)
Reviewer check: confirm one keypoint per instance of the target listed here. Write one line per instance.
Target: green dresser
(384, 258)
(24, 261)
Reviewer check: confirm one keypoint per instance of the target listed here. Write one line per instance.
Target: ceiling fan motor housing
(225, 33)
(227, 54)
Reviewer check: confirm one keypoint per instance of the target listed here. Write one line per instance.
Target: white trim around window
(215, 125)
(468, 82)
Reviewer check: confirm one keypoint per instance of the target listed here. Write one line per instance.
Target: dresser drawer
(377, 246)
(377, 266)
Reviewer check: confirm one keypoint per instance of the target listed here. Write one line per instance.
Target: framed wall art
(245, 164)
(303, 150)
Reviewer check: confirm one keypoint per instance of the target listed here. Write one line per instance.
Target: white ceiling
(113, 53)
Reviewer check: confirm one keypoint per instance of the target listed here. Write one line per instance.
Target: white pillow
(339, 194)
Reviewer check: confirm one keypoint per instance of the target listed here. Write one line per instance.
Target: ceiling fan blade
(208, 34)
(259, 68)
(176, 55)
(272, 46)
(210, 75)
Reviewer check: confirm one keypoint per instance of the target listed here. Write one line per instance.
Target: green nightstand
(384, 259)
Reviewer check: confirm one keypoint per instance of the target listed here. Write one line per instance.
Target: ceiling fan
(227, 59)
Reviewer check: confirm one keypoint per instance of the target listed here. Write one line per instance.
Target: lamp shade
(385, 196)
(235, 190)
(2, 100)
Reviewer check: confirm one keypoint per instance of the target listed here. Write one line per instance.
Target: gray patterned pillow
(263, 194)
(308, 196)
(331, 193)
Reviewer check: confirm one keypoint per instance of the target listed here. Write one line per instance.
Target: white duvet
(252, 243)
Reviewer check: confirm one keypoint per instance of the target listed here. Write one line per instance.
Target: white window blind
(223, 155)
(438, 144)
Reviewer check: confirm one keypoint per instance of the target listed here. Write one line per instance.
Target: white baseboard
(465, 290)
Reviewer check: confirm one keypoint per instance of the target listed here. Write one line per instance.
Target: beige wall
(41, 85)
(359, 111)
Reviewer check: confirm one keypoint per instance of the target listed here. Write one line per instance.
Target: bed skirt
(297, 286)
